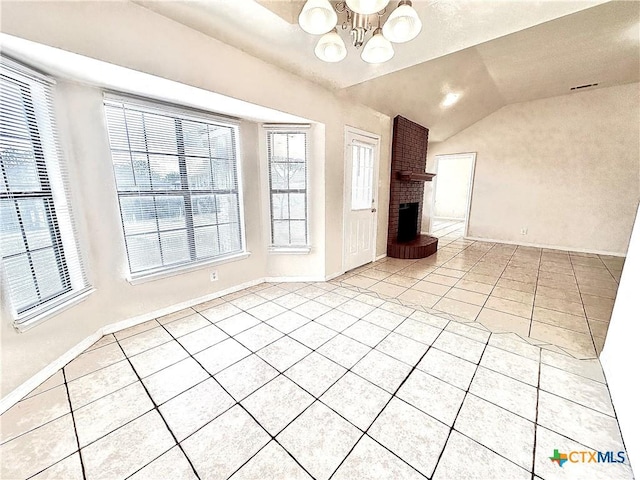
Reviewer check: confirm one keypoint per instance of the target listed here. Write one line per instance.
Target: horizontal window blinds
(177, 179)
(287, 153)
(41, 260)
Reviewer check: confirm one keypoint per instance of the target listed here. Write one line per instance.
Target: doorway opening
(452, 192)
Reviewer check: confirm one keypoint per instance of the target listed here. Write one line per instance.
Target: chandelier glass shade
(378, 49)
(403, 24)
(367, 7)
(317, 17)
(331, 47)
(359, 17)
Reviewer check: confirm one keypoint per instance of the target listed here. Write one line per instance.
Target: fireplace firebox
(408, 221)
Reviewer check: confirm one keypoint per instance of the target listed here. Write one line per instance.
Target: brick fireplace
(408, 163)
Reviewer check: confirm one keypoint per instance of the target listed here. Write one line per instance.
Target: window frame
(178, 114)
(48, 160)
(269, 130)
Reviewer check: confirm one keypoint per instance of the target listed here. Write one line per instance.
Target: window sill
(38, 318)
(290, 250)
(150, 277)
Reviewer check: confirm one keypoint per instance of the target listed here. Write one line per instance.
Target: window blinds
(177, 179)
(41, 261)
(287, 153)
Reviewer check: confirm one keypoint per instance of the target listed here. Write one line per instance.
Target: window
(177, 180)
(287, 154)
(40, 256)
(361, 176)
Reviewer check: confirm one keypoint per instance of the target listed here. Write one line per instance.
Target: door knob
(374, 210)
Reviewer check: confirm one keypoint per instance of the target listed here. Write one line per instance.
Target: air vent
(588, 85)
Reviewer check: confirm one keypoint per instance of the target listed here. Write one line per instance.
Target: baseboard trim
(333, 275)
(25, 388)
(34, 382)
(542, 245)
(131, 322)
(294, 279)
(380, 257)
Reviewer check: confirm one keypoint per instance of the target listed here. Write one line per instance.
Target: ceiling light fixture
(450, 99)
(318, 17)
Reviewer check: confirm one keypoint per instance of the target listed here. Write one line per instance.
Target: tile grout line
(460, 408)
(535, 423)
(393, 395)
(593, 342)
(535, 292)
(155, 407)
(75, 429)
(317, 398)
(75, 433)
(238, 403)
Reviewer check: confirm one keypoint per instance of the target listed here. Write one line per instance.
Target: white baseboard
(294, 279)
(380, 257)
(34, 382)
(542, 245)
(25, 388)
(130, 322)
(333, 275)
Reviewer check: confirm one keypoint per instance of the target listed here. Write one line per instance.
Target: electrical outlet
(523, 231)
(214, 276)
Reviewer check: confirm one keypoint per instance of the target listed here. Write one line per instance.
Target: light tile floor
(334, 380)
(562, 300)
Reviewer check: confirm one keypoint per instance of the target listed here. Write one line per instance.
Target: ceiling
(491, 52)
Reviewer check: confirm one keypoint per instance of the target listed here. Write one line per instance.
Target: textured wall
(565, 168)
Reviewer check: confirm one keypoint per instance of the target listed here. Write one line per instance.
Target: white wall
(452, 186)
(566, 168)
(620, 356)
(129, 35)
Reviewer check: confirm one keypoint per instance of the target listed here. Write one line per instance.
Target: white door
(361, 168)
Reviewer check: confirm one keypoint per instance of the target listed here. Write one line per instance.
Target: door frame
(375, 138)
(472, 155)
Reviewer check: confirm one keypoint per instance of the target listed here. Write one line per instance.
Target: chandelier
(319, 17)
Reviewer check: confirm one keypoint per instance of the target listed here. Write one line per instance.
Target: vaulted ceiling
(490, 52)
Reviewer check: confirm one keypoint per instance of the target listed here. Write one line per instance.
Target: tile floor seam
(56, 463)
(593, 342)
(155, 407)
(237, 403)
(435, 468)
(393, 395)
(318, 398)
(535, 423)
(533, 306)
(75, 431)
(11, 439)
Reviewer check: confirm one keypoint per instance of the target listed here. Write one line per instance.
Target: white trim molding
(550, 247)
(27, 387)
